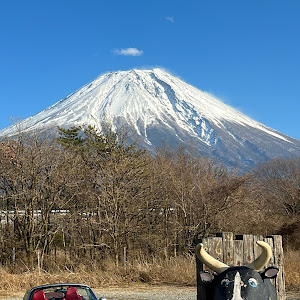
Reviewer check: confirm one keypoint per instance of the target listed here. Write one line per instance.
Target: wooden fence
(241, 250)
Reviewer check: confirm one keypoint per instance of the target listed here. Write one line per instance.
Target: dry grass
(292, 270)
(179, 270)
(176, 270)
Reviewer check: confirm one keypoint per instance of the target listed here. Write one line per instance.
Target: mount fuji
(162, 109)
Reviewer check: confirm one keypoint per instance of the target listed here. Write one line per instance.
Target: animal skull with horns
(239, 282)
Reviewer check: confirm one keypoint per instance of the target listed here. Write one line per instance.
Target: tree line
(89, 195)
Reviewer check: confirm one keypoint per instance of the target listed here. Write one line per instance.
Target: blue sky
(247, 53)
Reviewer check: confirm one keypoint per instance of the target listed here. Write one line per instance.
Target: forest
(88, 198)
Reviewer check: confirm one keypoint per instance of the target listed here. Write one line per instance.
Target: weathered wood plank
(248, 249)
(228, 248)
(238, 255)
(278, 261)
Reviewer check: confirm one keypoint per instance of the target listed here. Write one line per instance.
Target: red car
(61, 291)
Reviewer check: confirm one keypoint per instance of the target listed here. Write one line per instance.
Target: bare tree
(117, 183)
(33, 185)
(277, 183)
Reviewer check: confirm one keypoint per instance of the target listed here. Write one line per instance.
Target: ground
(143, 292)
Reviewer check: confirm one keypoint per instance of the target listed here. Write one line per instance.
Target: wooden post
(278, 261)
(238, 251)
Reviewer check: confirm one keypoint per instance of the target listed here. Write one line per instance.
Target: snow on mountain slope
(163, 108)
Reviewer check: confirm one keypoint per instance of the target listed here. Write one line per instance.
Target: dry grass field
(179, 271)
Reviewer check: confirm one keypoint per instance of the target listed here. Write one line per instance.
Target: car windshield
(63, 292)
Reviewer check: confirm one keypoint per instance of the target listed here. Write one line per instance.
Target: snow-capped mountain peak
(161, 107)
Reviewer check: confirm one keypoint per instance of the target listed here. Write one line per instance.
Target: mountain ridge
(162, 108)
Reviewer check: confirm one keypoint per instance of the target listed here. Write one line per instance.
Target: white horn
(209, 261)
(264, 258)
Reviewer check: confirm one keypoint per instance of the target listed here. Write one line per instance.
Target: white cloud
(129, 52)
(170, 19)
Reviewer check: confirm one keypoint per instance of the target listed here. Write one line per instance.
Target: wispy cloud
(170, 19)
(129, 52)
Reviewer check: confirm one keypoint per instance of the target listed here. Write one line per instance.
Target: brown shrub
(290, 235)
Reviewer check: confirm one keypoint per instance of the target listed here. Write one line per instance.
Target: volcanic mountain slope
(163, 109)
